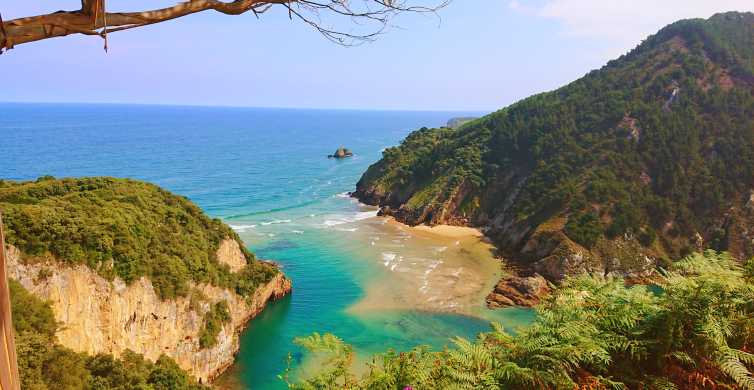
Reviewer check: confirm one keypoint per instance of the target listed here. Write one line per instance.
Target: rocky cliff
(98, 315)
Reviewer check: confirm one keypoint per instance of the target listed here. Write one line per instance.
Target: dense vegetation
(46, 365)
(214, 320)
(655, 147)
(592, 333)
(124, 228)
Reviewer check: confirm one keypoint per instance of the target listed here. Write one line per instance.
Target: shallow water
(264, 171)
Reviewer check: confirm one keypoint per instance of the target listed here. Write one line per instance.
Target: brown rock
(518, 291)
(341, 153)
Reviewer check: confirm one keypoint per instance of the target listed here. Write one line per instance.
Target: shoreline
(441, 269)
(447, 231)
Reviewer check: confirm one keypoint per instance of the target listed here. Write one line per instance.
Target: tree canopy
(124, 228)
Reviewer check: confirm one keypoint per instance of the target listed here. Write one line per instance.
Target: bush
(214, 320)
(584, 229)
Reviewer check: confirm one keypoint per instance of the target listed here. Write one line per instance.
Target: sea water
(265, 173)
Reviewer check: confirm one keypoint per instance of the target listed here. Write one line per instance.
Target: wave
(241, 228)
(359, 216)
(276, 222)
(388, 257)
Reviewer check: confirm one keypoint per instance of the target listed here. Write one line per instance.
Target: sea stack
(341, 153)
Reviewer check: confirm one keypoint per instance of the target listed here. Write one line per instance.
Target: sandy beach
(441, 230)
(440, 268)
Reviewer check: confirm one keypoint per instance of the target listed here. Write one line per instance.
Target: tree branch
(92, 19)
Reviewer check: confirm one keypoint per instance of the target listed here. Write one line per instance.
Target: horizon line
(484, 111)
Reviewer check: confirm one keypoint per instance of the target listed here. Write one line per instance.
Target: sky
(478, 55)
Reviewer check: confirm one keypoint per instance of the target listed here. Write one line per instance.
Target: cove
(265, 172)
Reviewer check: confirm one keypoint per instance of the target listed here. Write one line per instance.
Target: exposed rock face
(230, 253)
(518, 291)
(100, 316)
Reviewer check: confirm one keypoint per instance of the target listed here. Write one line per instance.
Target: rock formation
(518, 291)
(102, 316)
(341, 153)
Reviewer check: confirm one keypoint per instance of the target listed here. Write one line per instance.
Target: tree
(370, 16)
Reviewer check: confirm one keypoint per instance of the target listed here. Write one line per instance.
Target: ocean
(265, 172)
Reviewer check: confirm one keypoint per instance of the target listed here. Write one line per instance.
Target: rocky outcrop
(341, 153)
(455, 123)
(518, 291)
(102, 316)
(230, 253)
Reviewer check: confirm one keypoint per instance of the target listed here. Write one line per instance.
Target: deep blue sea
(265, 172)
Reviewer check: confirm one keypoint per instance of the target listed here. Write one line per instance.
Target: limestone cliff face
(230, 253)
(98, 315)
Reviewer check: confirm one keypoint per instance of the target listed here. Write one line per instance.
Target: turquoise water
(263, 171)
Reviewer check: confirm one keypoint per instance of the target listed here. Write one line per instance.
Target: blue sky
(482, 55)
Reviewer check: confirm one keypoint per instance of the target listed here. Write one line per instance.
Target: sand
(442, 230)
(441, 269)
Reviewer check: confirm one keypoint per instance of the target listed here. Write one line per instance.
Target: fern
(590, 327)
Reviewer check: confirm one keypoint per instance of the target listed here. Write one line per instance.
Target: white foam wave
(365, 215)
(276, 222)
(340, 220)
(343, 195)
(242, 228)
(297, 231)
(388, 258)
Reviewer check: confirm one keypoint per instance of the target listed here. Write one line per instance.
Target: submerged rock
(341, 153)
(518, 291)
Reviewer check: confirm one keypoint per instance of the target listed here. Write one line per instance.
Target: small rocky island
(341, 153)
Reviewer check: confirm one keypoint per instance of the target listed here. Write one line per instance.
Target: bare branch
(372, 16)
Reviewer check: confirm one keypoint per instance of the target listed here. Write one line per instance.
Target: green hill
(633, 165)
(124, 228)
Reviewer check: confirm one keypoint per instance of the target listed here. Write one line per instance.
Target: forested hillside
(124, 228)
(632, 166)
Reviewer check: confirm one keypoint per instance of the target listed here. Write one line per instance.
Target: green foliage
(336, 365)
(45, 365)
(613, 141)
(31, 314)
(585, 229)
(592, 332)
(214, 319)
(124, 228)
